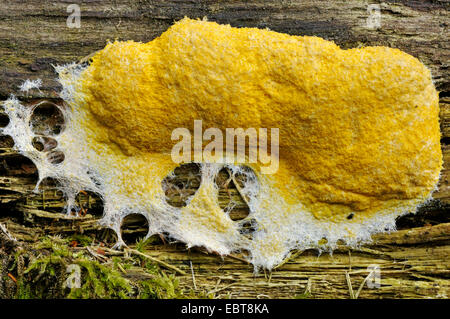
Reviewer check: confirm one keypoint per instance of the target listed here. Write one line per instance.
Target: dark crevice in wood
(134, 227)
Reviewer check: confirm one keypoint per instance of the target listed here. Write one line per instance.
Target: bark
(414, 262)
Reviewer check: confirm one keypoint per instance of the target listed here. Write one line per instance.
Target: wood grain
(414, 261)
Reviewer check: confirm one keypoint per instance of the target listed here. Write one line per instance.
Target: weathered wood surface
(414, 262)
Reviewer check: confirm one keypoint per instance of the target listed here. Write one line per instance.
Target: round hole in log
(4, 120)
(6, 141)
(247, 227)
(47, 119)
(181, 184)
(44, 143)
(55, 157)
(19, 165)
(134, 227)
(106, 236)
(231, 196)
(89, 203)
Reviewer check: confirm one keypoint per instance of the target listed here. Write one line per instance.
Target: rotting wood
(414, 261)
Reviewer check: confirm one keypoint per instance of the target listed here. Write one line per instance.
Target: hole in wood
(4, 120)
(55, 157)
(16, 164)
(47, 119)
(89, 203)
(6, 141)
(44, 143)
(134, 227)
(247, 227)
(182, 184)
(106, 236)
(232, 198)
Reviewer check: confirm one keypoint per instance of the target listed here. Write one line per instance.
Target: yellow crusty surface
(359, 130)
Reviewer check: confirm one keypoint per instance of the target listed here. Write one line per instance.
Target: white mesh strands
(277, 230)
(28, 85)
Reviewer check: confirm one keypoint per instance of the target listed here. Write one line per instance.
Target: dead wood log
(413, 262)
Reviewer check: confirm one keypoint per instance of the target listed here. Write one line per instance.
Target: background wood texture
(414, 262)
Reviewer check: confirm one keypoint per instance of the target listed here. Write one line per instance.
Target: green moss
(160, 287)
(142, 243)
(46, 274)
(119, 262)
(100, 281)
(305, 295)
(42, 278)
(82, 240)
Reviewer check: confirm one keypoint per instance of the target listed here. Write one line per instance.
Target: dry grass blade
(6, 232)
(349, 283)
(193, 275)
(158, 261)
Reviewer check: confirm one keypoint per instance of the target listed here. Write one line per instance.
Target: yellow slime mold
(359, 140)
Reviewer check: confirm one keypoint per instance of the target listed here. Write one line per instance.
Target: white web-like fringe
(78, 172)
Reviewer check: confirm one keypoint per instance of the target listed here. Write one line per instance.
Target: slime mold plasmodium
(359, 139)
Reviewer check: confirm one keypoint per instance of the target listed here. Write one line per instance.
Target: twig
(113, 252)
(289, 257)
(87, 57)
(98, 256)
(12, 277)
(121, 268)
(220, 289)
(215, 288)
(308, 286)
(238, 258)
(349, 261)
(156, 260)
(349, 283)
(193, 276)
(372, 252)
(363, 283)
(6, 232)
